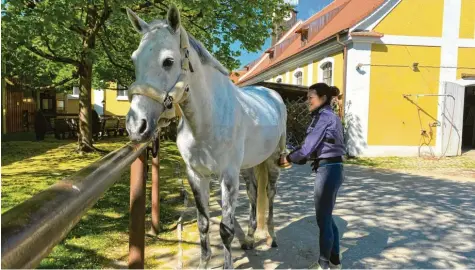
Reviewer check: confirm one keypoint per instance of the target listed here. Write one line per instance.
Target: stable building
(405, 68)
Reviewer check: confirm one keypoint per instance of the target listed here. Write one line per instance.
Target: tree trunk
(85, 83)
(85, 115)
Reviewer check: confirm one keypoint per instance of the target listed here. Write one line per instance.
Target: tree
(90, 42)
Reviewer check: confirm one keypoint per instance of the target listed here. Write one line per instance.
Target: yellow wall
(305, 76)
(338, 70)
(414, 18)
(315, 72)
(466, 58)
(392, 119)
(114, 106)
(72, 106)
(467, 19)
(287, 77)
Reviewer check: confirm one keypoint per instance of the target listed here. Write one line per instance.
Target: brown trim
(468, 75)
(367, 34)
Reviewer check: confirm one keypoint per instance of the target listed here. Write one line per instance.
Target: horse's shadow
(298, 246)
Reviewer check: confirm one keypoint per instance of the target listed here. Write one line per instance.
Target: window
(122, 92)
(270, 51)
(60, 105)
(298, 77)
(279, 80)
(76, 91)
(327, 73)
(304, 36)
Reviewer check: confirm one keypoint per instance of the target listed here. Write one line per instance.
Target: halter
(178, 92)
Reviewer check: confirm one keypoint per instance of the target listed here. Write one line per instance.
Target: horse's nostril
(143, 126)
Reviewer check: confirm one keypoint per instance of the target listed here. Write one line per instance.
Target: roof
(338, 16)
(235, 75)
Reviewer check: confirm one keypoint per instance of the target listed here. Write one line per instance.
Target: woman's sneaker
(320, 265)
(338, 265)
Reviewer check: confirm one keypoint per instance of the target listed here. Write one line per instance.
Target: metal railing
(33, 228)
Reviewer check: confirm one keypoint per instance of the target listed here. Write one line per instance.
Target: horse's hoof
(271, 242)
(247, 246)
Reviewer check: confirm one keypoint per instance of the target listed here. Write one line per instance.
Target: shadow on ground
(386, 220)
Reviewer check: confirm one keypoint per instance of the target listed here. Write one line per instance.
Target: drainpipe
(345, 65)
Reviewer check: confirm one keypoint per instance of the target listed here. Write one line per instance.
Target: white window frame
(294, 78)
(74, 95)
(125, 93)
(320, 69)
(281, 79)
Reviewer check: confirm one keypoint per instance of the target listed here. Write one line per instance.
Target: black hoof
(271, 242)
(247, 246)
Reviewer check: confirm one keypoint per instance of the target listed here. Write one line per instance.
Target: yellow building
(111, 101)
(406, 69)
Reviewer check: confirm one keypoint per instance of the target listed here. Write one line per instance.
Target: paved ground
(386, 220)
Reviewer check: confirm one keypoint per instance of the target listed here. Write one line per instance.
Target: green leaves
(58, 29)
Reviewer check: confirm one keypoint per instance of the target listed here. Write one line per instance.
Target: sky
(305, 8)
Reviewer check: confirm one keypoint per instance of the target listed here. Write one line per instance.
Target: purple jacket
(324, 137)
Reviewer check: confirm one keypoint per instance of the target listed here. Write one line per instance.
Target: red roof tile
(334, 18)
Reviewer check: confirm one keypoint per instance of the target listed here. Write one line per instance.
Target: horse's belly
(260, 144)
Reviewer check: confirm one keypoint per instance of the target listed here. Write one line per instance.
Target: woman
(324, 143)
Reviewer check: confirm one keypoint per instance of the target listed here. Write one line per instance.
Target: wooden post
(4, 102)
(155, 187)
(138, 176)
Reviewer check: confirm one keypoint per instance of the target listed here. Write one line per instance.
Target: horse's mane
(205, 56)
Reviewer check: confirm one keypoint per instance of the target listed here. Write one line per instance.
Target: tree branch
(106, 34)
(106, 12)
(190, 18)
(110, 56)
(54, 58)
(48, 87)
(140, 7)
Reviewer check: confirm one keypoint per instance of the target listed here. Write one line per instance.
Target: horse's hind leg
(229, 191)
(200, 187)
(274, 173)
(251, 187)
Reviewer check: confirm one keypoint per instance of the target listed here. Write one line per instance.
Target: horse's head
(161, 66)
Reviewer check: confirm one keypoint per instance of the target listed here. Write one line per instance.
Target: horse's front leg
(200, 187)
(229, 191)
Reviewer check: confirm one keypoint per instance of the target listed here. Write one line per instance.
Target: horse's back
(265, 106)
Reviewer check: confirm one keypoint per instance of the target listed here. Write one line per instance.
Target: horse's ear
(173, 17)
(140, 25)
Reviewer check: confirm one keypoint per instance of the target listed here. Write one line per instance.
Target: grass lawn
(100, 239)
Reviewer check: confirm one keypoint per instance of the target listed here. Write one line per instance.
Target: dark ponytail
(322, 89)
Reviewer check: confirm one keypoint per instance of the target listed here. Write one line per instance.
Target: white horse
(223, 131)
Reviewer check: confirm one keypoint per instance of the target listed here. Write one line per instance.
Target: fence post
(155, 187)
(138, 177)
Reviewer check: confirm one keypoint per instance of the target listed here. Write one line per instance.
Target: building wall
(115, 106)
(439, 36)
(467, 19)
(310, 71)
(393, 119)
(466, 61)
(414, 18)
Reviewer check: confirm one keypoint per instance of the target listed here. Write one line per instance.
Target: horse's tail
(262, 176)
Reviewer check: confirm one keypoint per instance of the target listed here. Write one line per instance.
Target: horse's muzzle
(142, 118)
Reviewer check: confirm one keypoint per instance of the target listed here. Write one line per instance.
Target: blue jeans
(327, 182)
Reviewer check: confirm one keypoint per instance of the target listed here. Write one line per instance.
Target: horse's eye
(168, 63)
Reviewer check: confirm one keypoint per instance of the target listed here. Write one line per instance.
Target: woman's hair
(322, 89)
